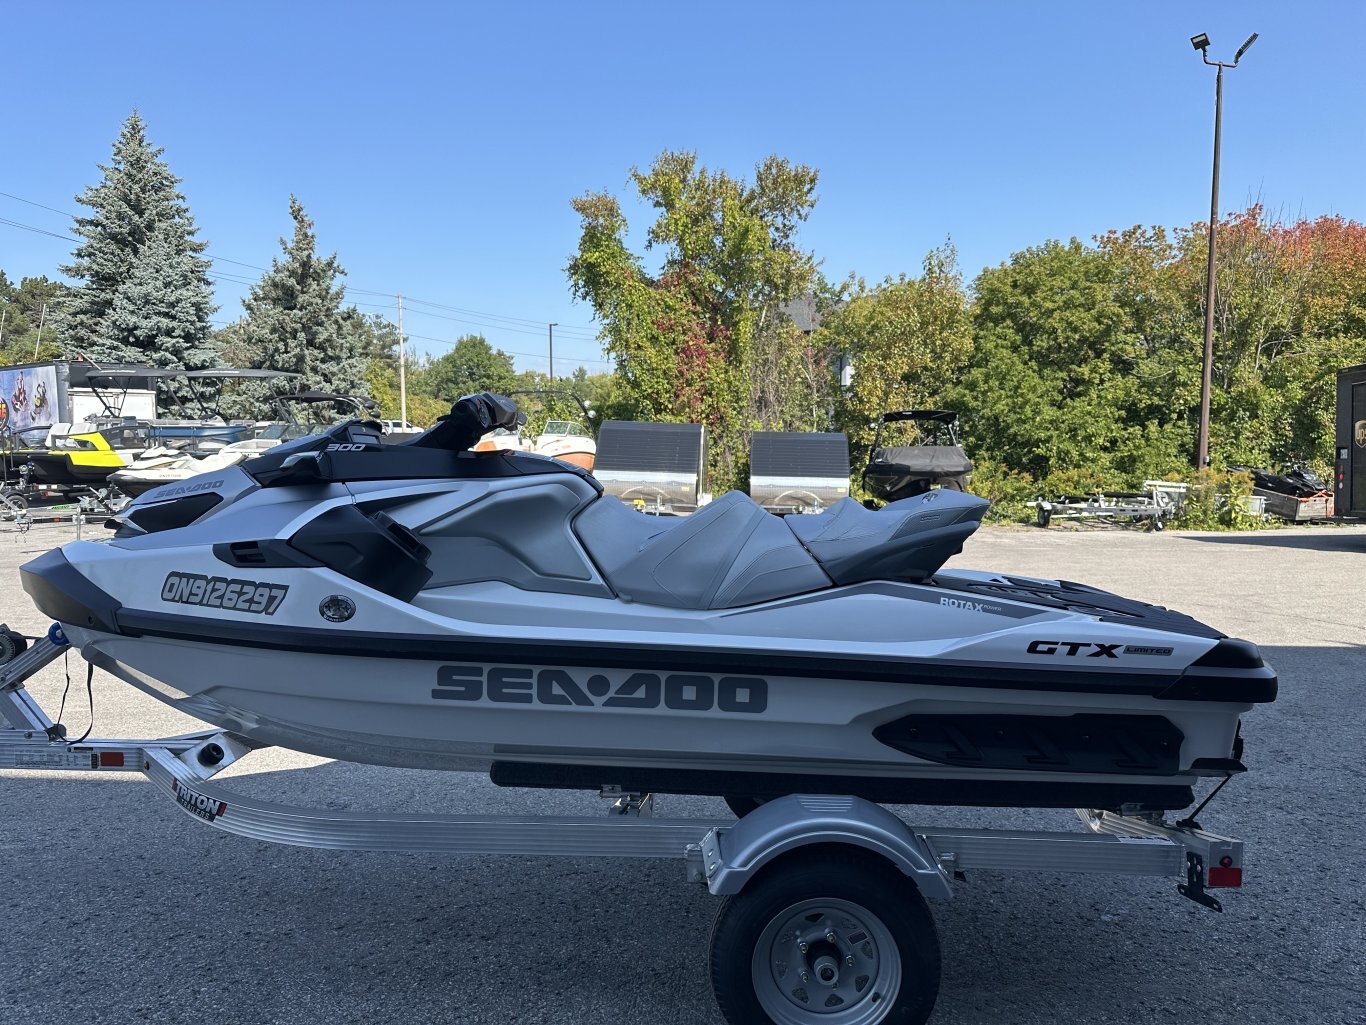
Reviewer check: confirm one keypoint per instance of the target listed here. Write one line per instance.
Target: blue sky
(437, 145)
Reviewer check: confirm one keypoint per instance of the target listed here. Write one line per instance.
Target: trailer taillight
(111, 759)
(1225, 874)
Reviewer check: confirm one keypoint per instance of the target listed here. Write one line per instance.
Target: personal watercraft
(424, 605)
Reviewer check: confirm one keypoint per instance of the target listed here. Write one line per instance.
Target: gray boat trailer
(723, 855)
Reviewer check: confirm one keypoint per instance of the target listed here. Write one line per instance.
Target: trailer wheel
(829, 938)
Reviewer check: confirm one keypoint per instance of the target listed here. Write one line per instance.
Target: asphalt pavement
(117, 908)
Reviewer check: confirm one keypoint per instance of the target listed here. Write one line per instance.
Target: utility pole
(1201, 43)
(42, 317)
(3, 314)
(552, 350)
(402, 368)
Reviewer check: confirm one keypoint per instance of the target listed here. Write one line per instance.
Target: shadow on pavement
(1324, 541)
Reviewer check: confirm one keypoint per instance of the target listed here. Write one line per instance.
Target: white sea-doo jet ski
(423, 605)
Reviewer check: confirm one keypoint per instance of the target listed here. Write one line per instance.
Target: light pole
(1201, 43)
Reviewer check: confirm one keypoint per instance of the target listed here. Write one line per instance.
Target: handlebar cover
(470, 418)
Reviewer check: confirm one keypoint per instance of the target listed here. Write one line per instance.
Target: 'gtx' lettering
(684, 692)
(1071, 649)
(261, 599)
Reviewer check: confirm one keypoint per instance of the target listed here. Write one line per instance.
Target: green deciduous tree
(472, 365)
(908, 339)
(145, 294)
(684, 337)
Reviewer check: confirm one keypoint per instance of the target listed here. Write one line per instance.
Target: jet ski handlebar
(470, 418)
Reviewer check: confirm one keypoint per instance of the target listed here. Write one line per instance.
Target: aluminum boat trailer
(822, 915)
(1158, 502)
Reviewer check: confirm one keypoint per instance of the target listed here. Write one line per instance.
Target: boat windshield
(562, 427)
(288, 432)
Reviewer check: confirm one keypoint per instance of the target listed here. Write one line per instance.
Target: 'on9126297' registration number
(223, 593)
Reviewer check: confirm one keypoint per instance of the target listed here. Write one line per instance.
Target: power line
(538, 324)
(30, 202)
(533, 326)
(40, 231)
(511, 352)
(538, 332)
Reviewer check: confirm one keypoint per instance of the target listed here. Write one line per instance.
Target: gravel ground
(118, 909)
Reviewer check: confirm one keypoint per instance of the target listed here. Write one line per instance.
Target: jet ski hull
(436, 608)
(557, 726)
(697, 713)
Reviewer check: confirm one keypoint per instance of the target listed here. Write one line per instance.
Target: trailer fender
(732, 855)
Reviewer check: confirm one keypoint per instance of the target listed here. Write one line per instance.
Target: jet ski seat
(907, 540)
(729, 553)
(732, 552)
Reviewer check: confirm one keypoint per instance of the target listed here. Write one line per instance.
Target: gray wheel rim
(834, 992)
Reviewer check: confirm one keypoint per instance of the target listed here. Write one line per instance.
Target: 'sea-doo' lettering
(166, 491)
(684, 692)
(510, 685)
(1071, 649)
(222, 593)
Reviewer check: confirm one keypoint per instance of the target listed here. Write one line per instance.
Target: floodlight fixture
(1244, 48)
(1201, 43)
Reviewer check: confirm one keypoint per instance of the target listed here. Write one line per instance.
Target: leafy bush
(1215, 501)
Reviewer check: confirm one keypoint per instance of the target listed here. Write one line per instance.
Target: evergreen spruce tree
(138, 253)
(295, 321)
(156, 313)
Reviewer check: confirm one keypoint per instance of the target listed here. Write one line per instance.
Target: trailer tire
(878, 919)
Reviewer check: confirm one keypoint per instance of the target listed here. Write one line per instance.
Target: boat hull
(63, 469)
(583, 460)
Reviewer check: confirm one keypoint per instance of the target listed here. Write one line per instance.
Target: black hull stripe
(61, 591)
(657, 658)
